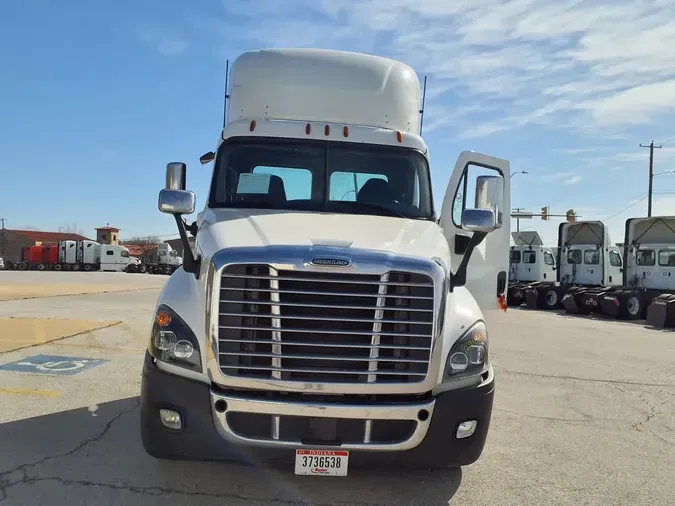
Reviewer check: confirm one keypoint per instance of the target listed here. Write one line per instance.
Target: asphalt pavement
(584, 414)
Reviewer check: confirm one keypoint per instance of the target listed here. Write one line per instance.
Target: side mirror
(479, 220)
(207, 157)
(176, 201)
(176, 176)
(490, 195)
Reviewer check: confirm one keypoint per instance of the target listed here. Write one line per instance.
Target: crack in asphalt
(588, 380)
(163, 491)
(548, 418)
(5, 484)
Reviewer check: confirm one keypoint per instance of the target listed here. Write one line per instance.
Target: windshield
(321, 176)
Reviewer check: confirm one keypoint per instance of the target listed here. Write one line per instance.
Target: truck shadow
(604, 318)
(94, 454)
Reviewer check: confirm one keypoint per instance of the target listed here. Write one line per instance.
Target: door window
(667, 258)
(548, 258)
(614, 259)
(515, 257)
(465, 196)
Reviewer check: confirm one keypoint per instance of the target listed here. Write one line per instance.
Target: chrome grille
(324, 326)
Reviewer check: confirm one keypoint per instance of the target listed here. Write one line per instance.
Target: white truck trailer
(649, 270)
(326, 317)
(530, 263)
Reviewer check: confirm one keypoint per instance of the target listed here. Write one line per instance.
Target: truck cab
(649, 273)
(589, 265)
(530, 262)
(328, 314)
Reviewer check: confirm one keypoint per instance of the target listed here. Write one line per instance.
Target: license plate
(321, 462)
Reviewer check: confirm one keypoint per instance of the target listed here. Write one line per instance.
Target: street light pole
(651, 147)
(519, 172)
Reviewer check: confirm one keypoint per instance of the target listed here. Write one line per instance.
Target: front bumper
(253, 428)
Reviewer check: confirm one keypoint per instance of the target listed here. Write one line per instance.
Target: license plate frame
(311, 462)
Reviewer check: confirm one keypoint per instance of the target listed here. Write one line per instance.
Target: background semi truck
(89, 255)
(74, 256)
(328, 316)
(649, 269)
(588, 265)
(530, 263)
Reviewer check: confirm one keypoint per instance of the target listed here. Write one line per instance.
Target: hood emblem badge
(331, 262)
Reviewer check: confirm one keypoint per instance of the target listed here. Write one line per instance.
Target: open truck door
(480, 253)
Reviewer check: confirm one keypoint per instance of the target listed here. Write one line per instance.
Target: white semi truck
(530, 263)
(588, 265)
(328, 317)
(649, 269)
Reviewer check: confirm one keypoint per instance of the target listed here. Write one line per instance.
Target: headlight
(469, 355)
(172, 341)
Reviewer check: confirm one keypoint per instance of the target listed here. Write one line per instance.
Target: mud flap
(531, 297)
(569, 301)
(657, 312)
(609, 304)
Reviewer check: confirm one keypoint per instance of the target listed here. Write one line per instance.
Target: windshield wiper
(375, 207)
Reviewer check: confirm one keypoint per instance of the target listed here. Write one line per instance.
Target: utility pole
(651, 147)
(2, 237)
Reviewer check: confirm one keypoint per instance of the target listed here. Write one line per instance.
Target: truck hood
(226, 228)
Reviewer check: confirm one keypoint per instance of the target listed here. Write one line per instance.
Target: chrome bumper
(420, 413)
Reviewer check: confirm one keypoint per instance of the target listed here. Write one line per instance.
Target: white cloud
(570, 64)
(165, 40)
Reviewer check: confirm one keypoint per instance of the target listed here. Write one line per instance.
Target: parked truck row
(89, 256)
(592, 275)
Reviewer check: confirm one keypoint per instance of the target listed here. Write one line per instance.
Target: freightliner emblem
(331, 262)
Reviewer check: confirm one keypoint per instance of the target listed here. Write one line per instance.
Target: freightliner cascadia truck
(328, 317)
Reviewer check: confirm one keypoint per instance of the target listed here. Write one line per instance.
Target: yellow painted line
(99, 347)
(28, 391)
(18, 333)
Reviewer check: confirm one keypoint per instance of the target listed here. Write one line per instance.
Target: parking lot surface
(584, 413)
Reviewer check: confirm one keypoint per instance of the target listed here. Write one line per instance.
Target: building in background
(108, 235)
(12, 241)
(178, 245)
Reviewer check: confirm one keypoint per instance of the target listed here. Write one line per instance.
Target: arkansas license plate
(321, 462)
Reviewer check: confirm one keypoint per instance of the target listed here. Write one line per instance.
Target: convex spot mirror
(479, 220)
(176, 201)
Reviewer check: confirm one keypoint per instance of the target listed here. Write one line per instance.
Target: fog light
(466, 429)
(170, 419)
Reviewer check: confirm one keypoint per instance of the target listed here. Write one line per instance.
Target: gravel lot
(584, 414)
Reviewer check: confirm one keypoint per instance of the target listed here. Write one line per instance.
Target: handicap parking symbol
(51, 364)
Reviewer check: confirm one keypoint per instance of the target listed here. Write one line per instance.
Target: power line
(626, 208)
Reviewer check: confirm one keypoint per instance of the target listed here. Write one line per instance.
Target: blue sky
(96, 97)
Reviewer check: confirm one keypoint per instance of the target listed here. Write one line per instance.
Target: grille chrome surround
(277, 322)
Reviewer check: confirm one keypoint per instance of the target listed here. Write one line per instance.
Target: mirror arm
(191, 263)
(459, 277)
(192, 228)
